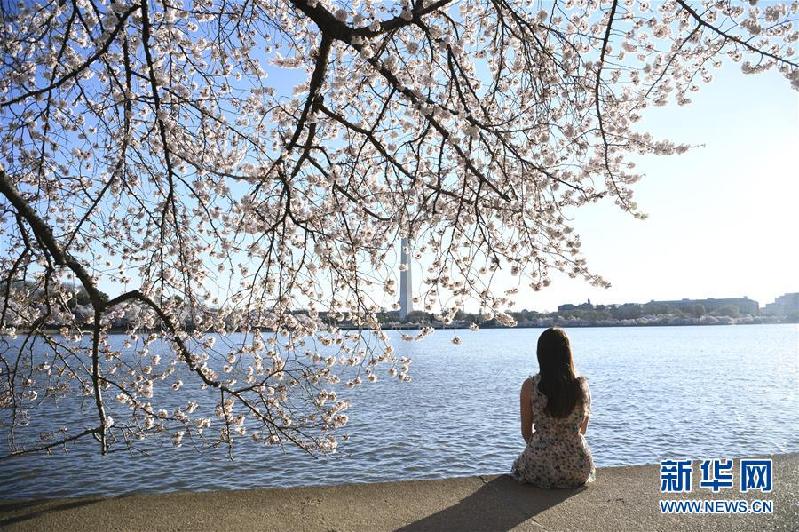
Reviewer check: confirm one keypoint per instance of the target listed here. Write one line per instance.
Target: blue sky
(723, 218)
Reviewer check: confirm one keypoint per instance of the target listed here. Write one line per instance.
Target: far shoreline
(460, 327)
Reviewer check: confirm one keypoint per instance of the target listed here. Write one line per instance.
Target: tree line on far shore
(585, 315)
(628, 314)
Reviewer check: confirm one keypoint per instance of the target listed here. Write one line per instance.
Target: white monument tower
(406, 292)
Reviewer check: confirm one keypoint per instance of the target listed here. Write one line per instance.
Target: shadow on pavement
(37, 508)
(499, 504)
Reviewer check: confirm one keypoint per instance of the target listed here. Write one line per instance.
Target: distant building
(743, 304)
(569, 308)
(406, 287)
(785, 304)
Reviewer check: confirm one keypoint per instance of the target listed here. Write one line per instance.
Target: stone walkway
(622, 498)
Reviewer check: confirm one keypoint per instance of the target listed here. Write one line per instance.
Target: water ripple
(657, 392)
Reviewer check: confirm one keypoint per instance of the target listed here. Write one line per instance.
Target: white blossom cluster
(229, 180)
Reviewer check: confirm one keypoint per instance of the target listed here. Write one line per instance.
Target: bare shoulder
(527, 386)
(583, 384)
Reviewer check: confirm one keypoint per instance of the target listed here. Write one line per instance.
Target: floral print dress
(557, 455)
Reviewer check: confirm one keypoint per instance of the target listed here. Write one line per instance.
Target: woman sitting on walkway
(555, 405)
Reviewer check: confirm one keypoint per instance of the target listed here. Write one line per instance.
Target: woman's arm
(526, 409)
(586, 404)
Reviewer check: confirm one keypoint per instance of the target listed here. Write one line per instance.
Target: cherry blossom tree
(228, 180)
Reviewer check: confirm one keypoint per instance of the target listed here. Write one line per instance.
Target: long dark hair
(558, 381)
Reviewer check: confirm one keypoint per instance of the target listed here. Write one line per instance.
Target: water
(657, 392)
